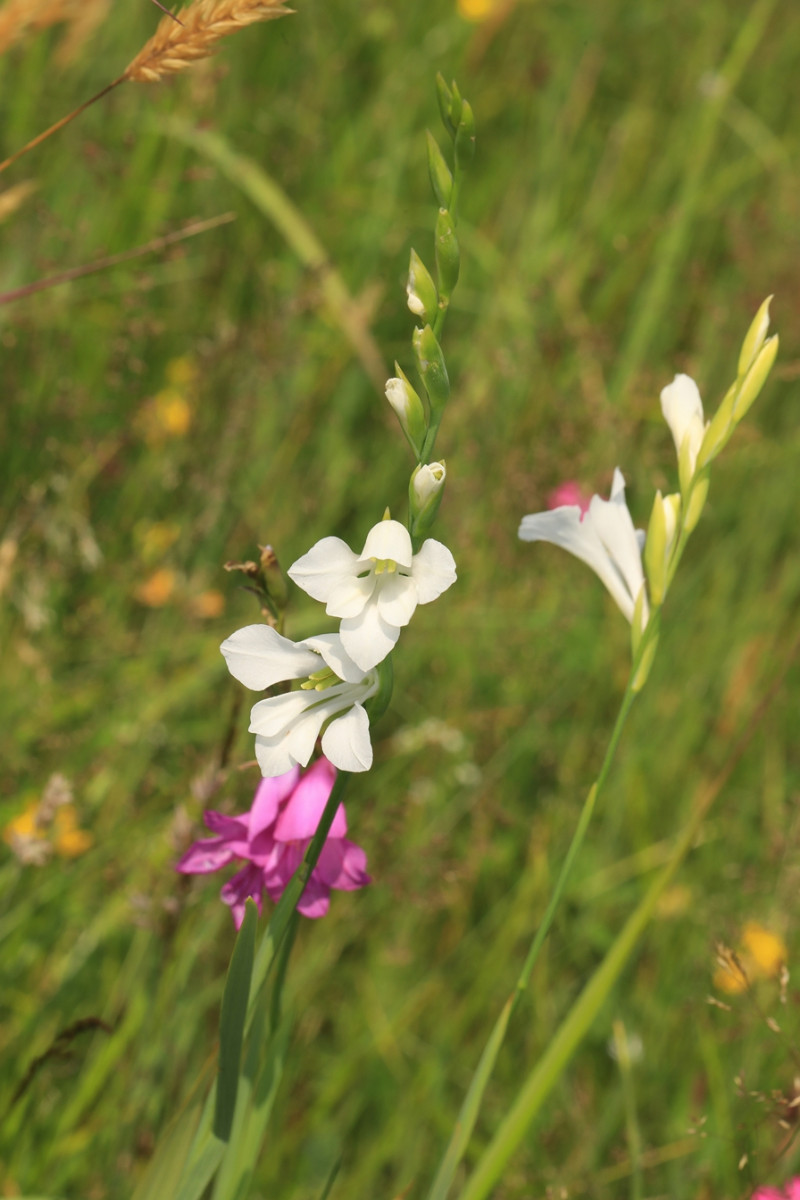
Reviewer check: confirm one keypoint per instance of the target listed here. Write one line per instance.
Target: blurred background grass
(623, 221)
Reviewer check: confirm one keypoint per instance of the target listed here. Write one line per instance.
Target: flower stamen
(319, 681)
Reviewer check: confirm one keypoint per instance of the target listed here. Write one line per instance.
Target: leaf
(232, 1020)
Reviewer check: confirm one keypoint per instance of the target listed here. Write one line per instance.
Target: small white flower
(604, 538)
(683, 412)
(287, 727)
(376, 592)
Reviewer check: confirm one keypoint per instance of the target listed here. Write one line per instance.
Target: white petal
(367, 638)
(396, 599)
(388, 539)
(563, 527)
(345, 742)
(329, 646)
(351, 595)
(434, 570)
(614, 527)
(278, 755)
(258, 657)
(271, 716)
(286, 729)
(326, 566)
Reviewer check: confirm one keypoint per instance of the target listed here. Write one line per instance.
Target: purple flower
(271, 840)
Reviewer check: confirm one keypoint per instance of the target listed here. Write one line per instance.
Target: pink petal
(315, 900)
(247, 882)
(204, 856)
(270, 794)
(233, 829)
(302, 812)
(283, 868)
(342, 865)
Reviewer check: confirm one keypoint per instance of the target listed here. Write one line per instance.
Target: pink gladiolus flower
(790, 1192)
(271, 840)
(569, 492)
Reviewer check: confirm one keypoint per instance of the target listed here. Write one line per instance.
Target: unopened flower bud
(754, 338)
(719, 429)
(465, 136)
(432, 369)
(697, 500)
(408, 407)
(422, 297)
(448, 255)
(755, 378)
(425, 495)
(659, 543)
(441, 177)
(445, 98)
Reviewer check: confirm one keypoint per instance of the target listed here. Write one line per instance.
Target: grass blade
(232, 1020)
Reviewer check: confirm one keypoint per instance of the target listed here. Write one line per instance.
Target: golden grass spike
(203, 23)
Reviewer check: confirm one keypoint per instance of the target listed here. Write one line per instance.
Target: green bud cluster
(674, 517)
(755, 363)
(420, 411)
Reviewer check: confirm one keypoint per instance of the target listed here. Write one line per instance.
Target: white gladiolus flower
(287, 727)
(683, 412)
(603, 537)
(376, 592)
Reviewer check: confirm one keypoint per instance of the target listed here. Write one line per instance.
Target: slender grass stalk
(41, 137)
(656, 290)
(623, 1056)
(112, 260)
(573, 1029)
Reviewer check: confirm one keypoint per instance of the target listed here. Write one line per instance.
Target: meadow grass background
(621, 222)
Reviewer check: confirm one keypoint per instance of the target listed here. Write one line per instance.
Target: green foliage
(621, 223)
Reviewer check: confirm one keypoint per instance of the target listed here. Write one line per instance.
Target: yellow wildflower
(761, 955)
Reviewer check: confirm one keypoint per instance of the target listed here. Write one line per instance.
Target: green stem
(282, 916)
(573, 1029)
(471, 1104)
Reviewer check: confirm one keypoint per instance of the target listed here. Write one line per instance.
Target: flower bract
(271, 839)
(603, 537)
(330, 700)
(376, 592)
